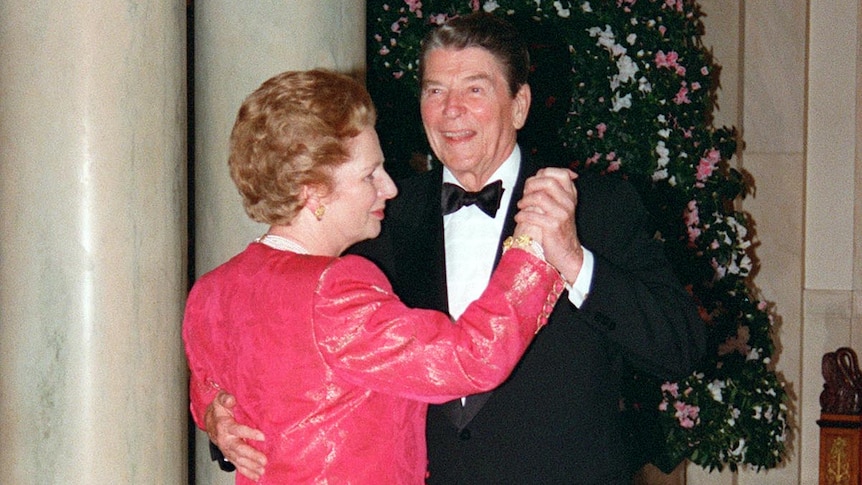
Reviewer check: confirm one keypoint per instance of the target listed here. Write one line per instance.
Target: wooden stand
(841, 419)
(840, 451)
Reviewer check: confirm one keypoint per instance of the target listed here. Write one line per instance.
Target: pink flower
(474, 4)
(384, 50)
(704, 170)
(397, 74)
(613, 166)
(593, 159)
(671, 387)
(704, 70)
(601, 128)
(686, 414)
(693, 234)
(692, 220)
(677, 4)
(707, 164)
(396, 26)
(691, 216)
(438, 19)
(668, 60)
(414, 5)
(682, 95)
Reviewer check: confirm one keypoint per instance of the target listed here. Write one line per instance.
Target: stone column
(92, 242)
(238, 45)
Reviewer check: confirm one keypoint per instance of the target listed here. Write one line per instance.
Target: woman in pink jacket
(322, 356)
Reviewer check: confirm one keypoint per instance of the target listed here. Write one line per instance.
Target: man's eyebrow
(471, 78)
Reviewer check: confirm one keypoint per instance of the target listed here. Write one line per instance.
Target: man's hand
(549, 202)
(231, 437)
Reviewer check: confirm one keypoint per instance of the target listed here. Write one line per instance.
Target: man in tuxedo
(557, 419)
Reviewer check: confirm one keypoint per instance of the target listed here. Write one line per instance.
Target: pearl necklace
(281, 243)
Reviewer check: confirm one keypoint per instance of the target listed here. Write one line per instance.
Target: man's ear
(521, 106)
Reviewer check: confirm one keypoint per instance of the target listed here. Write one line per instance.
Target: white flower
(627, 68)
(644, 86)
(664, 133)
(758, 411)
(585, 7)
(663, 159)
(754, 354)
(745, 265)
(720, 271)
(620, 103)
(490, 6)
(606, 37)
(660, 175)
(562, 12)
(740, 448)
(631, 39)
(715, 388)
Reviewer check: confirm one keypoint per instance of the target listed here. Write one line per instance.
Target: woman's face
(360, 190)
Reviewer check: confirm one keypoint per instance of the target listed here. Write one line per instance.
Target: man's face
(470, 118)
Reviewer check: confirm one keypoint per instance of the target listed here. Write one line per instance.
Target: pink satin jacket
(327, 362)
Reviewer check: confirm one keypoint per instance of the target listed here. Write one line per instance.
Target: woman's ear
(312, 198)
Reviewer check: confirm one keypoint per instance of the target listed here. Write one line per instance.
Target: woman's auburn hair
(291, 132)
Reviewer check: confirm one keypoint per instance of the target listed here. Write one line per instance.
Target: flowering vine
(626, 88)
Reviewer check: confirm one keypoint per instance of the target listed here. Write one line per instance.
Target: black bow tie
(487, 199)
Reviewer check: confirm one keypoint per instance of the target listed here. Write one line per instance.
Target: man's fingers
(251, 473)
(225, 399)
(245, 432)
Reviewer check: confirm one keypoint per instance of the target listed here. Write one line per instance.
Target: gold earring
(318, 213)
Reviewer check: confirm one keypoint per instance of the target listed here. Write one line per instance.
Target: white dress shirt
(472, 239)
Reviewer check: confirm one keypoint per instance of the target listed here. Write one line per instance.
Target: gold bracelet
(526, 243)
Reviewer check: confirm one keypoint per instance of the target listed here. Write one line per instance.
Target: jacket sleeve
(370, 338)
(198, 344)
(634, 297)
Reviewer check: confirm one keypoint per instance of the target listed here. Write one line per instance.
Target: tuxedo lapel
(525, 170)
(461, 415)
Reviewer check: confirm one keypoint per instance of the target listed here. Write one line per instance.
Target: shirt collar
(507, 172)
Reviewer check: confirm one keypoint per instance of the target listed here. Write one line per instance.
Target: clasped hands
(546, 214)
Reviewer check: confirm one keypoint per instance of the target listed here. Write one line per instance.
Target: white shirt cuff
(580, 289)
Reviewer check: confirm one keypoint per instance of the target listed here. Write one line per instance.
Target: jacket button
(464, 435)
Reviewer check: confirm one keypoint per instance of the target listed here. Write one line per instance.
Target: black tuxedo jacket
(556, 420)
